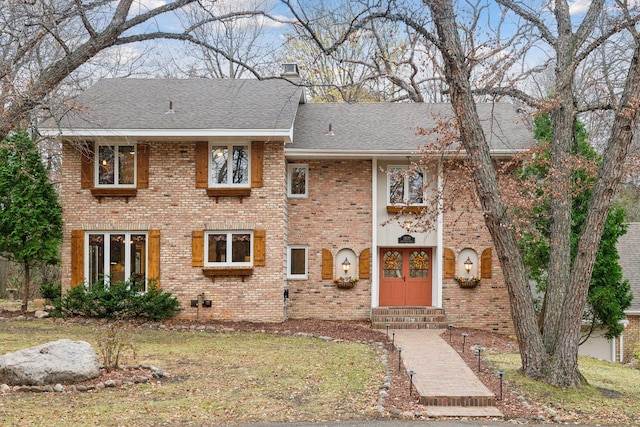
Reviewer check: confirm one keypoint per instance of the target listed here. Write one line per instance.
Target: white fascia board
(632, 312)
(351, 154)
(360, 154)
(285, 134)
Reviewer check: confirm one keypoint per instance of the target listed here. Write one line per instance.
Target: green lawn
(212, 378)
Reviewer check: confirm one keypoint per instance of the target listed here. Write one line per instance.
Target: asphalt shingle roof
(216, 106)
(197, 104)
(394, 126)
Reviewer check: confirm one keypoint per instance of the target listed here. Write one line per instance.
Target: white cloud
(579, 6)
(149, 4)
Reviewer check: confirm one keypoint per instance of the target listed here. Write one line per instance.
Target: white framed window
(405, 186)
(297, 262)
(297, 180)
(229, 165)
(114, 256)
(228, 248)
(115, 165)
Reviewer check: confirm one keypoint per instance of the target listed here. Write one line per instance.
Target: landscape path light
(411, 374)
(479, 350)
(500, 374)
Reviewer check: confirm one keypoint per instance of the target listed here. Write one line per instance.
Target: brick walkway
(446, 385)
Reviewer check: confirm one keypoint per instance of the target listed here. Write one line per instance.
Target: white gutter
(287, 134)
(296, 153)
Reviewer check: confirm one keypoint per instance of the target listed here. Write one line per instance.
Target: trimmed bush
(50, 291)
(119, 300)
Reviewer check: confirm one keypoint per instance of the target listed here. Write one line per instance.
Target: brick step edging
(475, 401)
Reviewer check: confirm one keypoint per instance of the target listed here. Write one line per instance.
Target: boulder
(62, 361)
(41, 314)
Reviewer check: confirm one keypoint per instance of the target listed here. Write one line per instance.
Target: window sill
(229, 192)
(228, 271)
(401, 208)
(114, 192)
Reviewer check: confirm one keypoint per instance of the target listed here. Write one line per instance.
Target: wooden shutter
(153, 270)
(142, 165)
(259, 248)
(364, 264)
(77, 257)
(86, 165)
(202, 164)
(449, 264)
(257, 161)
(327, 265)
(485, 264)
(197, 248)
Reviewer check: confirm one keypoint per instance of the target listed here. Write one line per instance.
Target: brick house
(248, 203)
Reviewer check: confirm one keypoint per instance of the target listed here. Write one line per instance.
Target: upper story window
(229, 165)
(228, 248)
(115, 165)
(114, 169)
(229, 169)
(405, 186)
(297, 179)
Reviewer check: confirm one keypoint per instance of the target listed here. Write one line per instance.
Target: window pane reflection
(217, 248)
(126, 164)
(240, 164)
(106, 164)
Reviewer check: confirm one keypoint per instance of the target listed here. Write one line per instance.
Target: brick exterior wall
(336, 215)
(487, 305)
(174, 206)
(631, 341)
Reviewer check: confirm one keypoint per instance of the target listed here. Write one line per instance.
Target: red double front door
(405, 276)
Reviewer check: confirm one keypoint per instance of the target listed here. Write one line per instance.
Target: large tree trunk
(563, 120)
(609, 176)
(495, 212)
(27, 288)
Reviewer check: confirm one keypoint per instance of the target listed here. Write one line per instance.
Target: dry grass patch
(612, 396)
(212, 378)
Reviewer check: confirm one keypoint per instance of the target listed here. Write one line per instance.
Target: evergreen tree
(609, 294)
(30, 213)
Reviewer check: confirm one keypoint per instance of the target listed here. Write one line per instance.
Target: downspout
(439, 241)
(375, 280)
